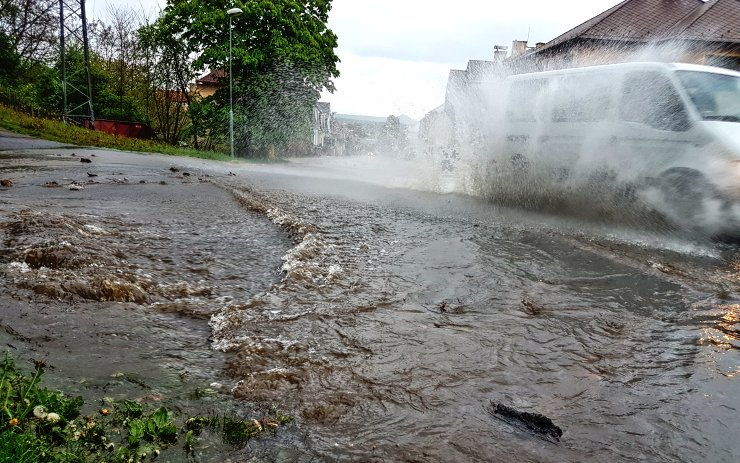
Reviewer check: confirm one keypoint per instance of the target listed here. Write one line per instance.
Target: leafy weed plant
(39, 425)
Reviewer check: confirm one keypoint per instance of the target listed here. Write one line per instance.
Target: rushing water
(402, 317)
(112, 285)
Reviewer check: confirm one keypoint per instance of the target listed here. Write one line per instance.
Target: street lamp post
(231, 12)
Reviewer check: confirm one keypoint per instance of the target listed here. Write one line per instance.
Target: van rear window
(582, 98)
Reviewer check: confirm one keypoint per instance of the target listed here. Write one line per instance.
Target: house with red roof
(207, 85)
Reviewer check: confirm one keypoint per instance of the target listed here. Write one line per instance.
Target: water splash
(561, 144)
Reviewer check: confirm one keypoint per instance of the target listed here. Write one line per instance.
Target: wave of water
(394, 329)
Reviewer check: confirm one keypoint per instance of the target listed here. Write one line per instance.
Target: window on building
(650, 98)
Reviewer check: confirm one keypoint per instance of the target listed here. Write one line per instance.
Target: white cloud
(396, 54)
(381, 86)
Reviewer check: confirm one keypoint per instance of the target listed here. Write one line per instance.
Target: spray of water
(624, 143)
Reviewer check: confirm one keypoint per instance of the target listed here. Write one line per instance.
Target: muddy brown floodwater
(395, 324)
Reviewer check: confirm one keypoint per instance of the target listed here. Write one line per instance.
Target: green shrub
(67, 133)
(43, 426)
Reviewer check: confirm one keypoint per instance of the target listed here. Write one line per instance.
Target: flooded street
(388, 316)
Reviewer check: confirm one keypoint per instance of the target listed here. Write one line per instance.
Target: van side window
(650, 98)
(524, 100)
(581, 99)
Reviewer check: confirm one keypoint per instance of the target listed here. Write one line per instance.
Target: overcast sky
(396, 54)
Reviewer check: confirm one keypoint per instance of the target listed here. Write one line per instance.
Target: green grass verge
(18, 122)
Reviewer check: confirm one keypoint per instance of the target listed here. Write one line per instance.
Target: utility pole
(78, 104)
(231, 12)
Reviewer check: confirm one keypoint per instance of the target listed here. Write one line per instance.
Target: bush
(43, 426)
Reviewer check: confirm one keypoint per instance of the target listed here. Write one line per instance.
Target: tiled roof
(717, 20)
(648, 20)
(212, 78)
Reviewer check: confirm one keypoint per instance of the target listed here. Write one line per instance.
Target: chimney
(499, 52)
(518, 47)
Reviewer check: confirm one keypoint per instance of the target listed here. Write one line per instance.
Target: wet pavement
(389, 316)
(111, 269)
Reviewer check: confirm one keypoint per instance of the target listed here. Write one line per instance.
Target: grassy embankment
(48, 129)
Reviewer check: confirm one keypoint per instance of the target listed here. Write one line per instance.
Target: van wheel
(685, 192)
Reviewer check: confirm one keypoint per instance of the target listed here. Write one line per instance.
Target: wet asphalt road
(387, 317)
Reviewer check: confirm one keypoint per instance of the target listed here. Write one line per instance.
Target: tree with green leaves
(283, 57)
(9, 58)
(28, 42)
(168, 76)
(31, 27)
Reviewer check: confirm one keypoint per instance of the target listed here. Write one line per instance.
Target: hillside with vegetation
(142, 69)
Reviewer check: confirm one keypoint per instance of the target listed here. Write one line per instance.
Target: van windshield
(715, 96)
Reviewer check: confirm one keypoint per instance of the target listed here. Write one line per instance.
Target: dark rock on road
(534, 423)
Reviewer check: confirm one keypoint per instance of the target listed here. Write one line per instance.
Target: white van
(672, 128)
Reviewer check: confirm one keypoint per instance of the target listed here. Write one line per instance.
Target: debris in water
(100, 288)
(52, 184)
(448, 307)
(531, 307)
(90, 174)
(74, 186)
(174, 169)
(186, 174)
(52, 257)
(538, 424)
(6, 182)
(257, 424)
(86, 160)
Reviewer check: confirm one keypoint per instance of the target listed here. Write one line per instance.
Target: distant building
(460, 117)
(321, 123)
(208, 84)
